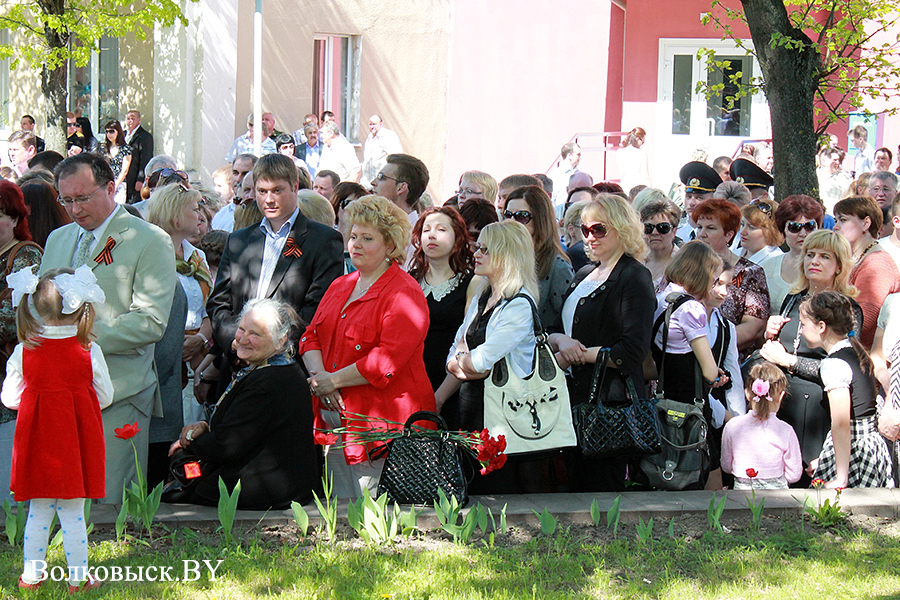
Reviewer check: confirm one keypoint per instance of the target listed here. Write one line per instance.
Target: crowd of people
(233, 325)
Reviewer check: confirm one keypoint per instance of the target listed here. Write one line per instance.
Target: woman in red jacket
(363, 349)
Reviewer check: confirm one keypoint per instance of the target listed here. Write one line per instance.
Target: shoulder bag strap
(538, 327)
(11, 259)
(673, 306)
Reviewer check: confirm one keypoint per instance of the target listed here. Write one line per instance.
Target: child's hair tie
(22, 282)
(851, 333)
(760, 389)
(77, 288)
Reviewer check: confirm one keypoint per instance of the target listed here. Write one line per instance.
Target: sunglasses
(165, 174)
(520, 216)
(598, 230)
(480, 248)
(661, 228)
(795, 227)
(762, 207)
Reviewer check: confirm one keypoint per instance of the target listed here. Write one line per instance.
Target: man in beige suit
(135, 265)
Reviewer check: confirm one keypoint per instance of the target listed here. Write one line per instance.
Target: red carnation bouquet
(364, 430)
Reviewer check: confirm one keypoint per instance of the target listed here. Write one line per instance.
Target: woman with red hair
(17, 251)
(747, 304)
(442, 263)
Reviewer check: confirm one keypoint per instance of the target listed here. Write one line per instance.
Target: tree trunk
(790, 84)
(53, 84)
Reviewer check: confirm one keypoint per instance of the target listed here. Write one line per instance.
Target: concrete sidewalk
(569, 508)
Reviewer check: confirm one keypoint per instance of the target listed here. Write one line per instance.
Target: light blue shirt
(313, 156)
(272, 251)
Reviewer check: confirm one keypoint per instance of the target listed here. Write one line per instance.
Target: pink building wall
(523, 79)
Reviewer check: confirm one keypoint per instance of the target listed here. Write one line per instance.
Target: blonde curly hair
(385, 216)
(621, 217)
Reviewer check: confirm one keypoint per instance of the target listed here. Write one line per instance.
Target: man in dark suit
(26, 123)
(141, 143)
(285, 257)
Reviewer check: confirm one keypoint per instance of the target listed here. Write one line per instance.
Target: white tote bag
(533, 412)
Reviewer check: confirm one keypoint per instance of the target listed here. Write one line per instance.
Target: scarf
(194, 267)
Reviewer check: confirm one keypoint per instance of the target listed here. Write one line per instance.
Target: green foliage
(328, 505)
(852, 63)
(826, 513)
(15, 522)
(548, 521)
(645, 531)
(672, 528)
(227, 509)
(756, 509)
(613, 516)
(451, 520)
(595, 512)
(300, 518)
(55, 31)
(714, 512)
(137, 503)
(373, 520)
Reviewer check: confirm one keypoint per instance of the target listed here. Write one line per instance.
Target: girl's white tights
(37, 534)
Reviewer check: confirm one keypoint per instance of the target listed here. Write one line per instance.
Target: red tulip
(127, 432)
(751, 473)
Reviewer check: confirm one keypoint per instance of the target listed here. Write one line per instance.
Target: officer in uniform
(700, 182)
(752, 176)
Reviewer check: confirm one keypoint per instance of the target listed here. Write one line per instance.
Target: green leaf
(300, 517)
(595, 512)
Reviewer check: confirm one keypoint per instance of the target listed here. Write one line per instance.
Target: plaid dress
(870, 461)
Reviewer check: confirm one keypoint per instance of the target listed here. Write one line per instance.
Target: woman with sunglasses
(796, 217)
(747, 304)
(660, 219)
(83, 126)
(858, 220)
(530, 205)
(760, 239)
(442, 263)
(118, 153)
(825, 266)
(610, 305)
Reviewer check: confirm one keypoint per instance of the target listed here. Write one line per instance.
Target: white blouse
(196, 307)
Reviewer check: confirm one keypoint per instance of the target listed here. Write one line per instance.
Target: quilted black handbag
(418, 465)
(622, 426)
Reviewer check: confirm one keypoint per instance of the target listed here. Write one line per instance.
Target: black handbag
(622, 424)
(683, 463)
(417, 466)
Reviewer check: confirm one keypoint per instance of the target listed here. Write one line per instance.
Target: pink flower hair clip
(760, 389)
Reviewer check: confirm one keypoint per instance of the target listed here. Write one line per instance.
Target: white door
(687, 121)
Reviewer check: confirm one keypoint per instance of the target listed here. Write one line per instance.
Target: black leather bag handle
(426, 415)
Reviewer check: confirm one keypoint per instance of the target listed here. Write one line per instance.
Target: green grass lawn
(576, 562)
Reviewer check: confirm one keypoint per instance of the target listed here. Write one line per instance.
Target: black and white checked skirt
(870, 462)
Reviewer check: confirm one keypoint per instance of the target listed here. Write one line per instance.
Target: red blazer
(383, 333)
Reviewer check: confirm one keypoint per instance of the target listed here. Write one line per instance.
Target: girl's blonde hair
(47, 303)
(621, 217)
(512, 255)
(826, 239)
(770, 373)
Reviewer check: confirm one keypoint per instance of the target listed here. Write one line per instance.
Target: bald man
(380, 143)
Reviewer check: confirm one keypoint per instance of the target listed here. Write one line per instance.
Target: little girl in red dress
(58, 381)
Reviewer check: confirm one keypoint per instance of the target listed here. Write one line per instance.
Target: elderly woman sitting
(261, 429)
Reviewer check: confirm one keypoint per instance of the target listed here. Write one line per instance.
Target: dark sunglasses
(165, 174)
(598, 230)
(795, 227)
(661, 228)
(763, 207)
(521, 216)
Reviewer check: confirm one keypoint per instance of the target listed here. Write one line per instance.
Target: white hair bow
(22, 282)
(78, 288)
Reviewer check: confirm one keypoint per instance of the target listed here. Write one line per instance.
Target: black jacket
(617, 315)
(141, 153)
(262, 434)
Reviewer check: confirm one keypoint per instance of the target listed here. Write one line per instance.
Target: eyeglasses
(661, 228)
(71, 125)
(598, 230)
(520, 216)
(480, 248)
(762, 207)
(468, 192)
(382, 177)
(79, 200)
(877, 190)
(795, 227)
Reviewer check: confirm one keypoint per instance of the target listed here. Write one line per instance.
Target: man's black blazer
(300, 281)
